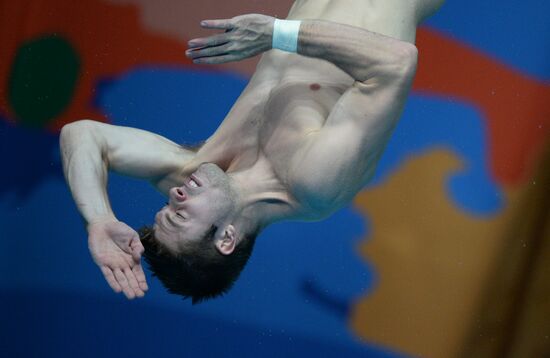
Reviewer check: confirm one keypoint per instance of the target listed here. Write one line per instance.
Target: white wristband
(285, 35)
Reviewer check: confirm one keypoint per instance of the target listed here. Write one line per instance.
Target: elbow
(405, 59)
(75, 128)
(77, 125)
(408, 56)
(67, 131)
(400, 64)
(76, 132)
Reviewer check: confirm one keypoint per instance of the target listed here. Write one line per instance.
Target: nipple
(314, 86)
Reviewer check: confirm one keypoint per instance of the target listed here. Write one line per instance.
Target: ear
(226, 244)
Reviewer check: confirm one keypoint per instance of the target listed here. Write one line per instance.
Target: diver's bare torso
(290, 96)
(300, 142)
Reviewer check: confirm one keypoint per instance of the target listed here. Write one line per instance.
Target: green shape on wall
(42, 80)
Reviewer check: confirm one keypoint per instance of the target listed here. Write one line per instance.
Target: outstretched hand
(116, 249)
(245, 36)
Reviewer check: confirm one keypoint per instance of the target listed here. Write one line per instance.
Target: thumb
(137, 248)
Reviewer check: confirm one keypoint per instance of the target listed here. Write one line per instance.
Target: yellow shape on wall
(431, 259)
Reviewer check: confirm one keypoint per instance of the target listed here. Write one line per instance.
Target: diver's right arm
(89, 149)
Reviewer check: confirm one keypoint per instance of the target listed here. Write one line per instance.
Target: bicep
(139, 153)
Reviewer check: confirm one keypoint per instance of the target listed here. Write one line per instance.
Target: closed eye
(193, 183)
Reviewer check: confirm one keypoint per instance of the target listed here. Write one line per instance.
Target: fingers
(133, 283)
(124, 284)
(110, 277)
(214, 40)
(225, 24)
(217, 59)
(130, 281)
(140, 277)
(208, 51)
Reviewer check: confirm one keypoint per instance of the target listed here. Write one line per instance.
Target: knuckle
(222, 39)
(233, 47)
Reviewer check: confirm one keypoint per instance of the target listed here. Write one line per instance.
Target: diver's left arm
(360, 53)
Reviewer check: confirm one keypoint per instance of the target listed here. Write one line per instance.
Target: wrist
(100, 220)
(285, 35)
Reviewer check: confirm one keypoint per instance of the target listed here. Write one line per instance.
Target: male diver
(302, 139)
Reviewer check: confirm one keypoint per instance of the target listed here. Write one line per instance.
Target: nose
(177, 195)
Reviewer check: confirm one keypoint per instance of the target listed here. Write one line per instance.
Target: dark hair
(200, 274)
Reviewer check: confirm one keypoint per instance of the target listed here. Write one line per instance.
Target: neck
(262, 197)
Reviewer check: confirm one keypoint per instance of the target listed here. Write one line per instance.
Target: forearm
(363, 54)
(85, 171)
(360, 53)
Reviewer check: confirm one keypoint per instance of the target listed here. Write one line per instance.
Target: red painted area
(108, 38)
(515, 106)
(314, 86)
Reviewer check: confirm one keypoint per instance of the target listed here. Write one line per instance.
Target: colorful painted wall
(451, 227)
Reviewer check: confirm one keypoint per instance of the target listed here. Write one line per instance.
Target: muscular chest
(293, 111)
